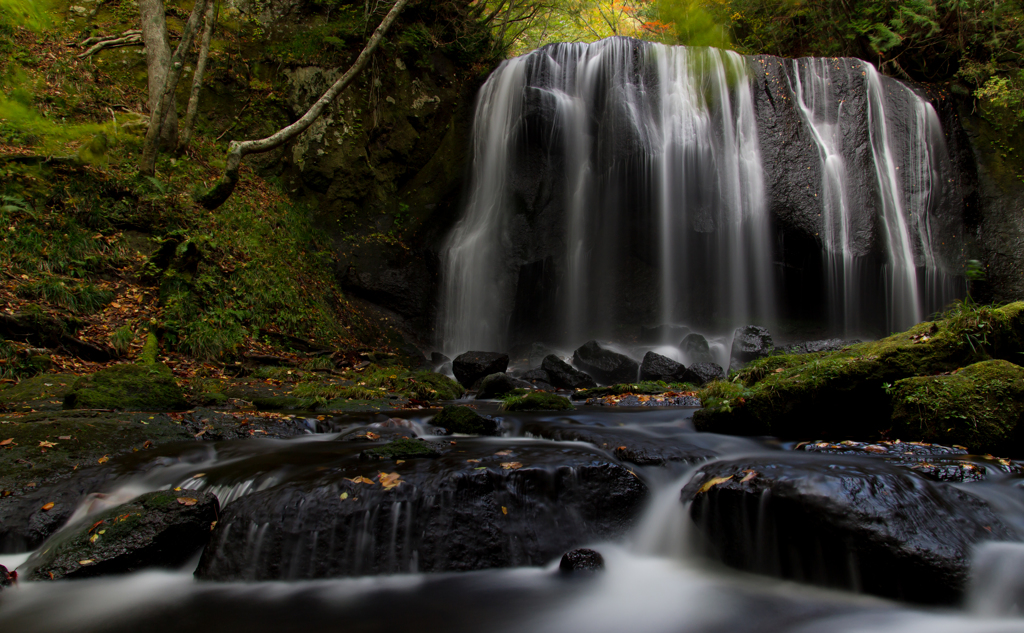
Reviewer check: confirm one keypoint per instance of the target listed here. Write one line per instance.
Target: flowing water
(655, 579)
(621, 183)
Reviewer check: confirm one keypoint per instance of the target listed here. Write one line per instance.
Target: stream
(657, 576)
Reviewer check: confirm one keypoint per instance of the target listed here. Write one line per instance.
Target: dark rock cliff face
(384, 166)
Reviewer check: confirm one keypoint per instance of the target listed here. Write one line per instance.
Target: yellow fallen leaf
(87, 561)
(103, 460)
(503, 453)
(187, 501)
(511, 465)
(370, 435)
(711, 483)
(198, 475)
(399, 461)
(750, 475)
(344, 496)
(360, 480)
(45, 444)
(504, 510)
(48, 507)
(389, 480)
(473, 461)
(7, 441)
(92, 539)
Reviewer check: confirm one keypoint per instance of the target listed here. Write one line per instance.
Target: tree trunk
(158, 60)
(197, 79)
(220, 192)
(166, 104)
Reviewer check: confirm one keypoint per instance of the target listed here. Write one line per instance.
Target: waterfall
(621, 183)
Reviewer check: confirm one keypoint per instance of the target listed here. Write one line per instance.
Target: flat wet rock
(483, 504)
(942, 463)
(842, 522)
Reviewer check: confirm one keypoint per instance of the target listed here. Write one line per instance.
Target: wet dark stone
(658, 367)
(403, 448)
(539, 378)
(564, 375)
(437, 359)
(703, 373)
(750, 342)
(158, 529)
(472, 366)
(604, 365)
(842, 522)
(659, 446)
(479, 506)
(456, 419)
(496, 385)
(696, 348)
(581, 560)
(7, 578)
(941, 463)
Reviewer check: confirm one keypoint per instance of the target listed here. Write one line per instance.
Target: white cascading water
(683, 119)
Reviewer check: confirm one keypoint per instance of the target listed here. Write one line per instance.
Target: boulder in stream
(499, 384)
(456, 419)
(702, 373)
(658, 367)
(158, 529)
(472, 366)
(604, 365)
(130, 387)
(750, 342)
(564, 375)
(696, 348)
(842, 522)
(581, 560)
(480, 505)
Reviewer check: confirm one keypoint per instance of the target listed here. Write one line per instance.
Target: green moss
(150, 350)
(841, 393)
(429, 385)
(979, 406)
(47, 387)
(464, 420)
(127, 387)
(400, 449)
(271, 403)
(648, 387)
(536, 401)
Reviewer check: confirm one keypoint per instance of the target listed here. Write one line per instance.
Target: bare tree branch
(197, 79)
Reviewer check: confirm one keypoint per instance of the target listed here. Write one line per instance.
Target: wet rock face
(499, 384)
(658, 367)
(581, 560)
(604, 365)
(703, 373)
(472, 366)
(159, 529)
(564, 375)
(750, 342)
(696, 348)
(477, 507)
(849, 523)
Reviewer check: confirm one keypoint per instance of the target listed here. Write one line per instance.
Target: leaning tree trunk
(197, 79)
(147, 165)
(158, 60)
(222, 190)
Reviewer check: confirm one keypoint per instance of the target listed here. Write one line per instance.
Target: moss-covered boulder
(40, 393)
(979, 406)
(158, 529)
(128, 388)
(465, 420)
(537, 401)
(843, 392)
(401, 449)
(430, 385)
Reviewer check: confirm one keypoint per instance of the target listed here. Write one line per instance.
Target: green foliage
(76, 296)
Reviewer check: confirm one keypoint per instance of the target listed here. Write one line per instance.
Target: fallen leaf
(92, 539)
(187, 501)
(48, 506)
(511, 465)
(750, 475)
(47, 444)
(389, 480)
(360, 480)
(711, 483)
(503, 453)
(198, 475)
(504, 510)
(87, 561)
(7, 441)
(370, 435)
(64, 437)
(103, 460)
(473, 461)
(399, 461)
(344, 496)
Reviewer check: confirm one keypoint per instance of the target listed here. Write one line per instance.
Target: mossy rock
(430, 385)
(841, 393)
(979, 406)
(465, 420)
(537, 401)
(158, 529)
(127, 388)
(274, 403)
(647, 387)
(400, 449)
(43, 392)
